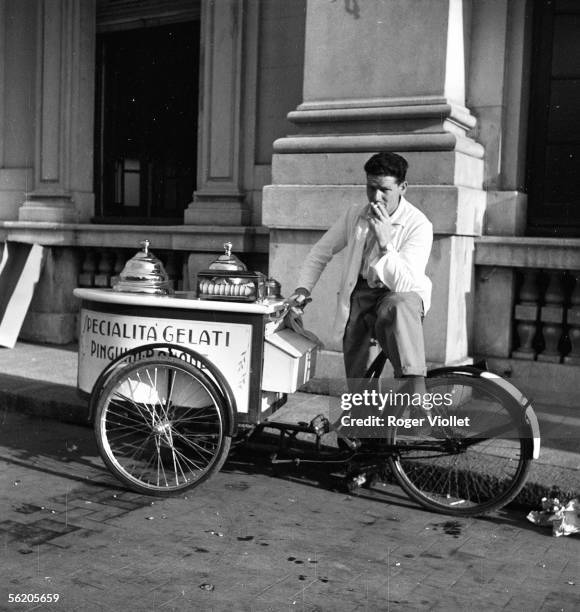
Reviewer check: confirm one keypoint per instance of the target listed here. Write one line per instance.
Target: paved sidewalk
(41, 380)
(251, 540)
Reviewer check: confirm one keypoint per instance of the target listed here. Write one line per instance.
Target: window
(146, 128)
(554, 131)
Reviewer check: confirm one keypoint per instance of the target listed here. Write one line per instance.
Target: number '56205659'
(33, 597)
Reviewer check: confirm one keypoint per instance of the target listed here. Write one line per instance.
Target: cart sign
(105, 337)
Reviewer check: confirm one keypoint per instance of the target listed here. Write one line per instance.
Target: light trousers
(395, 320)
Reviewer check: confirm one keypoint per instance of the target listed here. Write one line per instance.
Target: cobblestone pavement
(251, 540)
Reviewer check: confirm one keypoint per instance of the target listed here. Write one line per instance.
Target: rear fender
(529, 417)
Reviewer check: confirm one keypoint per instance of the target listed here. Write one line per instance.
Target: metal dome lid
(144, 273)
(227, 261)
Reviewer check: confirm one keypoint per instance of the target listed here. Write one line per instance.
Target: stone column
(63, 173)
(384, 75)
(17, 44)
(498, 95)
(219, 198)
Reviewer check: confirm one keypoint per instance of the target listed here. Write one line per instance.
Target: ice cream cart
(173, 376)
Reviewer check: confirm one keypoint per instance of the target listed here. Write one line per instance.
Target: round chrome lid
(144, 273)
(227, 261)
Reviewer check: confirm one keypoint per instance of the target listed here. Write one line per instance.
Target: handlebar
(296, 302)
(300, 300)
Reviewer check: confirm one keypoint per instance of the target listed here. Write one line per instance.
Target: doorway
(146, 123)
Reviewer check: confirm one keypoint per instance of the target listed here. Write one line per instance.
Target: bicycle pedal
(372, 478)
(355, 481)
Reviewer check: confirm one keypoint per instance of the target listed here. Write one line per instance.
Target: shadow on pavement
(249, 461)
(52, 447)
(43, 398)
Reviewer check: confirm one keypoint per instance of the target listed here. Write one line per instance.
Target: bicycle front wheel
(160, 425)
(464, 470)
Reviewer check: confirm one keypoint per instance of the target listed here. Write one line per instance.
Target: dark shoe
(372, 444)
(345, 443)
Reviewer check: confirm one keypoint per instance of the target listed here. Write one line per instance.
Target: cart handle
(298, 301)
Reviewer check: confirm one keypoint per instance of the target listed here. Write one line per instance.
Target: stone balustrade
(528, 299)
(547, 316)
(99, 266)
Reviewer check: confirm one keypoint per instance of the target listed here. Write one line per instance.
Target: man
(384, 292)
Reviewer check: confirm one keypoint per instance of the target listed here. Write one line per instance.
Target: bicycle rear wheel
(464, 470)
(160, 425)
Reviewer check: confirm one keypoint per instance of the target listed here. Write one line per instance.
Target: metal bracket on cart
(292, 450)
(363, 467)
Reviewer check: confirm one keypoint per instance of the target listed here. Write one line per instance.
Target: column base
(50, 327)
(216, 211)
(550, 357)
(526, 355)
(48, 208)
(505, 213)
(53, 313)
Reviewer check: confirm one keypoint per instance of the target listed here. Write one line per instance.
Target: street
(250, 539)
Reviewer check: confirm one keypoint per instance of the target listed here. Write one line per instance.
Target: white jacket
(399, 270)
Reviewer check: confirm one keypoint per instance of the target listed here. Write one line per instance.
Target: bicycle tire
(160, 425)
(475, 471)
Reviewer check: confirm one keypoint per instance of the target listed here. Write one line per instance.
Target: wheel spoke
(171, 381)
(159, 462)
(145, 469)
(117, 437)
(174, 458)
(150, 408)
(187, 459)
(138, 450)
(126, 415)
(195, 447)
(135, 405)
(209, 411)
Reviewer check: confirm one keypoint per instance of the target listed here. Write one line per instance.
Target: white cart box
(289, 361)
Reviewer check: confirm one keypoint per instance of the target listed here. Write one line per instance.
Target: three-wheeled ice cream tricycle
(175, 377)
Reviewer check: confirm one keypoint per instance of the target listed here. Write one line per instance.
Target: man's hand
(299, 298)
(380, 224)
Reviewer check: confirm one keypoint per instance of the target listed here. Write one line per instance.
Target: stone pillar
(373, 83)
(63, 173)
(219, 198)
(498, 95)
(17, 45)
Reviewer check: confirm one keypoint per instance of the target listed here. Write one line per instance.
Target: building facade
(193, 122)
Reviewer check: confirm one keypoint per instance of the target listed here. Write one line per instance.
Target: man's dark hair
(387, 164)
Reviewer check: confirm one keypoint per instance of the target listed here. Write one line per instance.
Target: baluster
(573, 320)
(529, 292)
(118, 265)
(526, 315)
(119, 262)
(88, 268)
(170, 265)
(185, 280)
(552, 318)
(179, 277)
(171, 269)
(104, 270)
